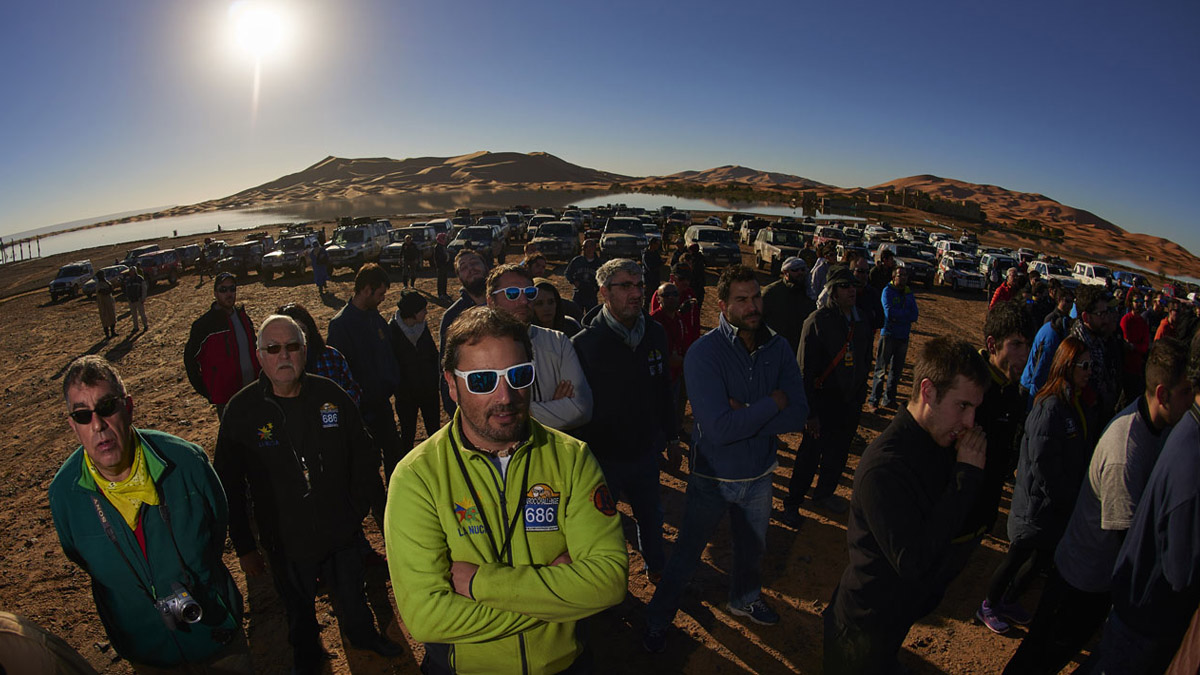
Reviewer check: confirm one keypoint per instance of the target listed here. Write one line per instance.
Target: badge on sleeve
(603, 500)
(541, 509)
(329, 416)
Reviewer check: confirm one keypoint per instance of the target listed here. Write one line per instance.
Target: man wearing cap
(786, 303)
(417, 356)
(561, 398)
(835, 358)
(219, 357)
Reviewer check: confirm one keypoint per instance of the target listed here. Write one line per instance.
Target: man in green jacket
(142, 512)
(501, 533)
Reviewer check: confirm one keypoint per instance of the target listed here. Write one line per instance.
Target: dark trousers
(378, 418)
(1065, 620)
(827, 451)
(296, 582)
(1021, 564)
(856, 650)
(406, 413)
(442, 277)
(637, 481)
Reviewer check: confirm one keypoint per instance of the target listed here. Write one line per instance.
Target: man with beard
(218, 356)
(472, 275)
(581, 273)
(746, 389)
(912, 490)
(561, 398)
(494, 578)
(297, 441)
(624, 357)
(786, 303)
(835, 357)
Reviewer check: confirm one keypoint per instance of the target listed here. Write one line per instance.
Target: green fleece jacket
(523, 611)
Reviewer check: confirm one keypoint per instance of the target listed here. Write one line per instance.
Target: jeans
(890, 357)
(749, 506)
(637, 480)
(827, 451)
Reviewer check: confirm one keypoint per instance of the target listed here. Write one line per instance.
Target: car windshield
(476, 233)
(788, 239)
(1057, 269)
(555, 229)
(348, 237)
(71, 271)
(623, 226)
(650, 228)
(1101, 272)
(295, 244)
(240, 250)
(417, 233)
(396, 236)
(964, 265)
(907, 252)
(720, 236)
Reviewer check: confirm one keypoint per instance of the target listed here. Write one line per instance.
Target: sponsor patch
(329, 416)
(469, 521)
(655, 361)
(541, 509)
(603, 501)
(266, 435)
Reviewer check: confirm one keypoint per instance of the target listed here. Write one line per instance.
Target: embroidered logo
(266, 432)
(541, 509)
(468, 518)
(603, 501)
(655, 361)
(329, 416)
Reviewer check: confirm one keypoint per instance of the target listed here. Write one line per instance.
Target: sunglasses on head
(107, 407)
(513, 292)
(227, 289)
(292, 347)
(481, 382)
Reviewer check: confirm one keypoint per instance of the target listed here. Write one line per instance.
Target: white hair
(277, 318)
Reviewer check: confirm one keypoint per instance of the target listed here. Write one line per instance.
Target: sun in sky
(260, 30)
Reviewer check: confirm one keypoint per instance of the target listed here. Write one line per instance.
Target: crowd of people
(501, 527)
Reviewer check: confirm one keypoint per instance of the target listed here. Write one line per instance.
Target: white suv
(70, 279)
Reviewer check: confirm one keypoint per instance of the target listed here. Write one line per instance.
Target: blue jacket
(899, 311)
(740, 444)
(1037, 368)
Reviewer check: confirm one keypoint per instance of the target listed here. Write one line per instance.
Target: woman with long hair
(1055, 451)
(548, 309)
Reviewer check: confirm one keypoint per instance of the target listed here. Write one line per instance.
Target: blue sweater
(740, 444)
(1037, 368)
(899, 311)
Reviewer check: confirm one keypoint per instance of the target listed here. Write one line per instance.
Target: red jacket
(1137, 333)
(211, 355)
(1003, 293)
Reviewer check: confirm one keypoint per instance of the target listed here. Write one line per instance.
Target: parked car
(910, 259)
(1131, 279)
(133, 254)
(292, 256)
(828, 233)
(717, 245)
(70, 279)
(441, 226)
(267, 241)
(557, 239)
(158, 266)
(959, 273)
(112, 274)
(483, 239)
(623, 237)
(772, 246)
(537, 221)
(423, 236)
(240, 259)
(357, 244)
(749, 229)
(1049, 271)
(1092, 274)
(189, 256)
(516, 224)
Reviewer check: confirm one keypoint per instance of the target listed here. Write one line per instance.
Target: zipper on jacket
(504, 523)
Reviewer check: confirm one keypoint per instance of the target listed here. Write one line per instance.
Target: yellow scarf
(128, 495)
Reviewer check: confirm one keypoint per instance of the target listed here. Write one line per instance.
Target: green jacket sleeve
(419, 563)
(595, 579)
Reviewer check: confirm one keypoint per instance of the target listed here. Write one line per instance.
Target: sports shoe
(833, 504)
(1014, 613)
(989, 617)
(654, 641)
(758, 612)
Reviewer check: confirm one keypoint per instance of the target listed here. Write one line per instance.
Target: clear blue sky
(114, 106)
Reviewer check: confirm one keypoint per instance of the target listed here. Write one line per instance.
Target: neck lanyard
(512, 526)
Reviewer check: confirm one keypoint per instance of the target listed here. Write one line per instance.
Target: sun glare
(259, 29)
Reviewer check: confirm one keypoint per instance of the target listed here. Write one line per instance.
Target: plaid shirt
(333, 365)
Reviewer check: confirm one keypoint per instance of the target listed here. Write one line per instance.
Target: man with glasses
(298, 442)
(501, 533)
(624, 357)
(561, 398)
(472, 274)
(143, 513)
(218, 356)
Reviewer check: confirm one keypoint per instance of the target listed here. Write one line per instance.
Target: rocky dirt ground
(802, 566)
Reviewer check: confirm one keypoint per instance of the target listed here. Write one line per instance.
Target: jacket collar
(154, 462)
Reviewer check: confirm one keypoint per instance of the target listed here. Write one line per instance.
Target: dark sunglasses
(107, 407)
(1083, 365)
(513, 292)
(226, 289)
(485, 381)
(292, 347)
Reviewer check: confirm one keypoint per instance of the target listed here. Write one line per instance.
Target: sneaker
(758, 612)
(989, 617)
(791, 517)
(833, 504)
(654, 641)
(1014, 613)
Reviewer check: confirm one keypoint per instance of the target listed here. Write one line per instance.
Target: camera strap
(512, 526)
(112, 536)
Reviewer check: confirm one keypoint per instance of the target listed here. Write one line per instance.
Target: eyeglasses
(226, 289)
(1083, 365)
(513, 292)
(292, 347)
(629, 285)
(483, 382)
(107, 407)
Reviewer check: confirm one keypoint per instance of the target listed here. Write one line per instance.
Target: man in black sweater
(912, 489)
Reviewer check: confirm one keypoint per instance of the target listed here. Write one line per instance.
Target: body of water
(652, 201)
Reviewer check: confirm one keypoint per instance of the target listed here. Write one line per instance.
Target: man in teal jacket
(501, 533)
(142, 512)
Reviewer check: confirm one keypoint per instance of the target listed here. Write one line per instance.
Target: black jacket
(910, 497)
(364, 339)
(1002, 417)
(419, 371)
(1055, 453)
(785, 307)
(312, 477)
(632, 408)
(824, 333)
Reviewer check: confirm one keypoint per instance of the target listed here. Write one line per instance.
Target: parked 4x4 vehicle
(70, 279)
(112, 274)
(159, 265)
(354, 245)
(772, 246)
(292, 255)
(623, 237)
(423, 236)
(717, 245)
(189, 256)
(557, 239)
(1092, 274)
(133, 254)
(241, 258)
(483, 239)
